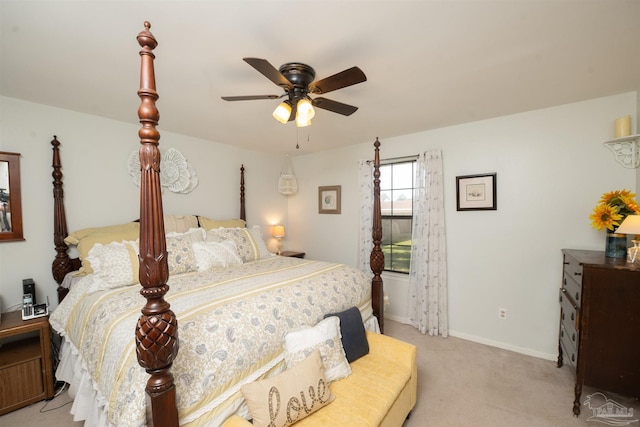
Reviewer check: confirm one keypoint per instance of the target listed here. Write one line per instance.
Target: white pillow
(116, 263)
(216, 254)
(325, 336)
(249, 241)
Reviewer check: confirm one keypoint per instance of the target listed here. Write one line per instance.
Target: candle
(623, 126)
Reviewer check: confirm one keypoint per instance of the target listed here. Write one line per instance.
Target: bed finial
(377, 256)
(157, 327)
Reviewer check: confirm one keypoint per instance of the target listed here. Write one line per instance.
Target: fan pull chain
(297, 138)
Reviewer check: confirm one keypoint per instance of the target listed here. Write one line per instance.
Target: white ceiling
(429, 64)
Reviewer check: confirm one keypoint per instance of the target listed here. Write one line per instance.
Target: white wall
(552, 168)
(99, 191)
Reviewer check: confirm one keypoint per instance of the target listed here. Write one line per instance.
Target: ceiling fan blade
(352, 76)
(269, 71)
(334, 106)
(249, 97)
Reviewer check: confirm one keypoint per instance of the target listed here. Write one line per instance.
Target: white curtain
(428, 306)
(365, 182)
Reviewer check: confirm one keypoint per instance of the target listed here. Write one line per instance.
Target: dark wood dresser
(600, 323)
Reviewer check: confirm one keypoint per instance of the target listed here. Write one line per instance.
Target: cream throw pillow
(180, 255)
(326, 338)
(216, 254)
(115, 264)
(290, 396)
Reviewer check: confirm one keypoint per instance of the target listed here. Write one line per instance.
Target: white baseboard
(486, 341)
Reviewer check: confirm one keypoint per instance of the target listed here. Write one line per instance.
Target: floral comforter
(231, 327)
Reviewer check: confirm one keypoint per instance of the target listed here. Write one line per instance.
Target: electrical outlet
(502, 313)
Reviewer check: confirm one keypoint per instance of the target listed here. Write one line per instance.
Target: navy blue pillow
(354, 337)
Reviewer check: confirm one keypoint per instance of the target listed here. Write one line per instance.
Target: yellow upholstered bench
(381, 390)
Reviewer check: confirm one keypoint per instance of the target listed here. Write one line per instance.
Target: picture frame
(10, 198)
(476, 192)
(329, 199)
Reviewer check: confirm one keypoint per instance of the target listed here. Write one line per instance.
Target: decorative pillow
(354, 337)
(290, 396)
(209, 224)
(249, 242)
(325, 337)
(181, 258)
(215, 254)
(179, 223)
(116, 263)
(86, 238)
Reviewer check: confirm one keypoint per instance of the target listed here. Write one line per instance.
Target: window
(396, 203)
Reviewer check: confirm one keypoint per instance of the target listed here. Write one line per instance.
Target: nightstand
(292, 254)
(26, 369)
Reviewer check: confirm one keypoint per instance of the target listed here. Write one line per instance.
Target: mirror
(10, 199)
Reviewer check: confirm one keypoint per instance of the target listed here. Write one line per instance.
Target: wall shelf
(626, 150)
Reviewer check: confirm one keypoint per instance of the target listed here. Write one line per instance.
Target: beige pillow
(180, 255)
(290, 396)
(209, 224)
(86, 238)
(179, 223)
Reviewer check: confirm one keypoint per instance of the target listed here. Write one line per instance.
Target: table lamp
(278, 233)
(631, 225)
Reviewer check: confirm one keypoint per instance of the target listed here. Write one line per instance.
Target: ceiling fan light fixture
(282, 112)
(305, 109)
(302, 121)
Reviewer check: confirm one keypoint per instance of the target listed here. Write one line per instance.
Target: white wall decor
(176, 174)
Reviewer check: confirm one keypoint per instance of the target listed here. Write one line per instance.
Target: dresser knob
(573, 357)
(577, 273)
(563, 315)
(573, 337)
(562, 333)
(573, 316)
(577, 296)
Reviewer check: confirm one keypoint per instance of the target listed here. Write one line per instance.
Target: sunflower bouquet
(612, 208)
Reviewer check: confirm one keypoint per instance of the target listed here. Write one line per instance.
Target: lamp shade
(278, 231)
(630, 225)
(282, 112)
(305, 109)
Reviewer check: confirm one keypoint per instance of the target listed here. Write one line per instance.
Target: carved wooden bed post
(157, 328)
(377, 256)
(243, 213)
(62, 264)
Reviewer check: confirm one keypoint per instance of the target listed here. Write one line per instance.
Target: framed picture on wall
(10, 198)
(329, 199)
(476, 192)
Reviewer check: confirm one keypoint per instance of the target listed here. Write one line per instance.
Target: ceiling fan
(297, 80)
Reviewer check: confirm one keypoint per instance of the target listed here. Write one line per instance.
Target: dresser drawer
(573, 287)
(570, 354)
(569, 313)
(573, 268)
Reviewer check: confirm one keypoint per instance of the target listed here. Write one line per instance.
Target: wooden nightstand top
(292, 254)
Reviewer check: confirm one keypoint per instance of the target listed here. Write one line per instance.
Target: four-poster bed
(164, 348)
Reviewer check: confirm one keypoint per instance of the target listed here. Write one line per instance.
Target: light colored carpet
(460, 383)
